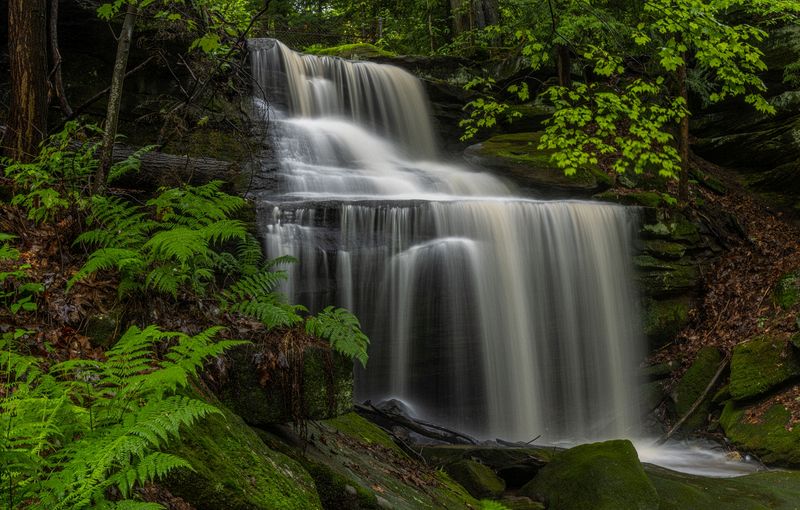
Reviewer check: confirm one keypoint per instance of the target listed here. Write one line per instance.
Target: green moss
(640, 198)
(660, 277)
(494, 457)
(351, 51)
(759, 491)
(772, 436)
(337, 491)
(479, 480)
(664, 319)
(659, 371)
(521, 503)
(210, 143)
(787, 290)
(363, 430)
(518, 155)
(674, 229)
(102, 329)
(326, 389)
(664, 249)
(600, 476)
(235, 470)
(759, 365)
(692, 385)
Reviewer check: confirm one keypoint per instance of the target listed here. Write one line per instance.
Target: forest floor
(737, 300)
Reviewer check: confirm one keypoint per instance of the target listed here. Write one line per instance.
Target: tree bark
(55, 56)
(27, 45)
(564, 65)
(683, 137)
(115, 97)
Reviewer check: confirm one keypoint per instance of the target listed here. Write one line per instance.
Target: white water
(488, 312)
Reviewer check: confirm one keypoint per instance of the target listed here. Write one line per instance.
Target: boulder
(479, 480)
(600, 476)
(771, 434)
(235, 470)
(517, 157)
(693, 384)
(322, 388)
(787, 290)
(758, 491)
(665, 318)
(356, 465)
(761, 364)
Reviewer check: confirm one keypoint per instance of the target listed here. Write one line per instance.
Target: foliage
(169, 245)
(57, 180)
(342, 329)
(78, 428)
(626, 126)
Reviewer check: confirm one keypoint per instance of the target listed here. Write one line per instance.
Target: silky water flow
(489, 312)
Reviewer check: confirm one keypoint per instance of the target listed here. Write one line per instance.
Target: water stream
(489, 312)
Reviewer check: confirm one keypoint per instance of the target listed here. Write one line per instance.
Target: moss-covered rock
(479, 480)
(664, 249)
(759, 491)
(771, 435)
(518, 157)
(354, 51)
(692, 385)
(325, 384)
(640, 198)
(659, 370)
(787, 290)
(665, 318)
(521, 503)
(676, 228)
(102, 329)
(356, 465)
(760, 364)
(659, 277)
(600, 476)
(235, 470)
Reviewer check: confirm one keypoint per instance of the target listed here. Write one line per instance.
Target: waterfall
(488, 311)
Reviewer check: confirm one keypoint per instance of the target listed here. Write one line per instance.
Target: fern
(172, 244)
(343, 330)
(84, 426)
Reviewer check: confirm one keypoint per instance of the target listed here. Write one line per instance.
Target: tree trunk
(55, 56)
(683, 137)
(115, 97)
(27, 49)
(564, 65)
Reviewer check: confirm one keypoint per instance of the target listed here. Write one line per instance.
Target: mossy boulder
(640, 198)
(600, 476)
(771, 435)
(664, 249)
(515, 466)
(787, 290)
(677, 228)
(521, 503)
(665, 318)
(354, 51)
(517, 157)
(759, 491)
(235, 470)
(356, 465)
(692, 385)
(761, 364)
(325, 386)
(479, 480)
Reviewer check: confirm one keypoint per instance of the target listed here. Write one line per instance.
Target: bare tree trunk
(27, 45)
(55, 56)
(115, 97)
(683, 138)
(564, 65)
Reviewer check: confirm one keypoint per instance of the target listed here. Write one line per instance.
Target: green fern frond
(179, 243)
(104, 259)
(343, 330)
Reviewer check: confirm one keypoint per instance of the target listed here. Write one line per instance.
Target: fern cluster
(174, 242)
(185, 240)
(74, 430)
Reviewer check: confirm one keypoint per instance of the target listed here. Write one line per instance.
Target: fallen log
(422, 428)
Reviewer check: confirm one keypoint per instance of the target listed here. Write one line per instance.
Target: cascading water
(489, 312)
